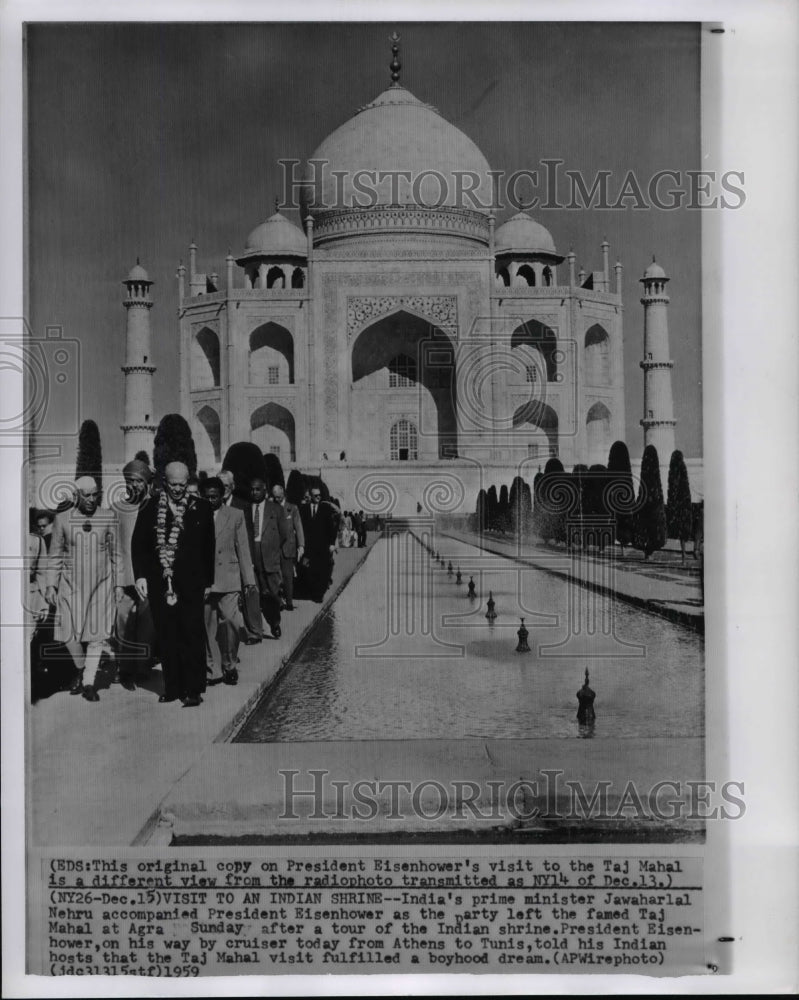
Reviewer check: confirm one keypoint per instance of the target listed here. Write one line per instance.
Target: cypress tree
(492, 503)
(581, 486)
(142, 456)
(274, 470)
(537, 520)
(481, 511)
(679, 513)
(246, 461)
(89, 461)
(620, 492)
(295, 487)
(173, 443)
(650, 519)
(595, 499)
(557, 496)
(503, 510)
(526, 507)
(516, 504)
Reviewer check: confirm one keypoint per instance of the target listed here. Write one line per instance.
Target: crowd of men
(180, 574)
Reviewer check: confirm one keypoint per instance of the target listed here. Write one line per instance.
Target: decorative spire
(395, 64)
(137, 260)
(277, 204)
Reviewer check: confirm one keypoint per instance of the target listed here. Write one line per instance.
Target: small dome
(654, 270)
(137, 273)
(276, 237)
(521, 234)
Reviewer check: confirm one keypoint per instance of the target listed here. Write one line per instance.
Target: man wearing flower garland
(173, 562)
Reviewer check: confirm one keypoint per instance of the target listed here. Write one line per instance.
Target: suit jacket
(320, 531)
(237, 503)
(296, 536)
(193, 569)
(233, 566)
(274, 534)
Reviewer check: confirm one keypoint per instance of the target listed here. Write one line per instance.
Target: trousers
(223, 624)
(287, 575)
(181, 640)
(269, 588)
(135, 634)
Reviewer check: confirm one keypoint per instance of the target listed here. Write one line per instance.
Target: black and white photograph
(374, 416)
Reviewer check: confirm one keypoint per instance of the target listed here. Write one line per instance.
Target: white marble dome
(397, 132)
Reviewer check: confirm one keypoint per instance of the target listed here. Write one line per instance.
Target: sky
(144, 137)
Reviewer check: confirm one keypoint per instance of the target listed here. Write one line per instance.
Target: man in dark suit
(173, 562)
(293, 547)
(233, 570)
(267, 531)
(319, 527)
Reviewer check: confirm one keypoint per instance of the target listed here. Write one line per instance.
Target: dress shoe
(90, 694)
(164, 698)
(128, 683)
(77, 687)
(289, 607)
(276, 632)
(231, 676)
(191, 702)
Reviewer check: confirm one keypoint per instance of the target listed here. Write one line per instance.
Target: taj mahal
(408, 337)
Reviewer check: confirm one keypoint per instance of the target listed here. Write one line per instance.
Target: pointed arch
(527, 274)
(403, 441)
(207, 438)
(272, 429)
(378, 358)
(542, 440)
(271, 346)
(596, 356)
(298, 278)
(205, 372)
(597, 432)
(504, 276)
(537, 335)
(275, 278)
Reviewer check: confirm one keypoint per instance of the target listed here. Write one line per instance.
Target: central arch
(401, 352)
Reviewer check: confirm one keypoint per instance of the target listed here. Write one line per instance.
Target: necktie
(256, 520)
(313, 510)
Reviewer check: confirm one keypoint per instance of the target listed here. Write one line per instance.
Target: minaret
(658, 420)
(138, 427)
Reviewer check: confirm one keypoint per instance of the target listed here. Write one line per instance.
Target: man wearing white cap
(83, 581)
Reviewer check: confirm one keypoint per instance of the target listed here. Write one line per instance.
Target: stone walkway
(661, 585)
(98, 772)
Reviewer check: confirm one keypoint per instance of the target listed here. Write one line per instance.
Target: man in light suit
(232, 569)
(294, 546)
(268, 532)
